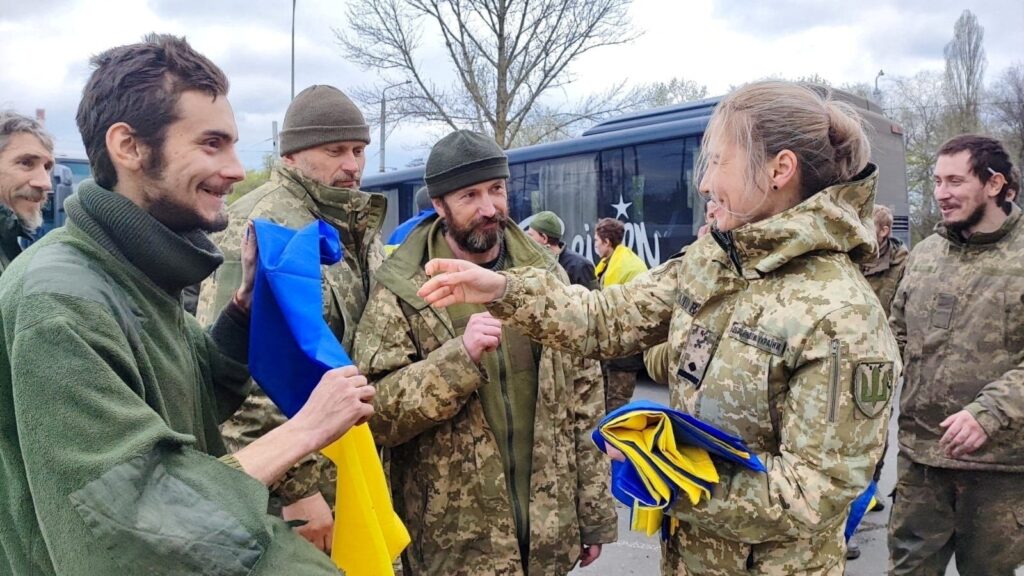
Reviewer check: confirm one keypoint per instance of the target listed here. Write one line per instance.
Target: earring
(775, 186)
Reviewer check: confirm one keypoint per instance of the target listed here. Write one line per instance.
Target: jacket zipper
(724, 240)
(833, 388)
(509, 438)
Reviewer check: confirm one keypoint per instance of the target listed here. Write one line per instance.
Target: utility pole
(277, 153)
(293, 49)
(383, 117)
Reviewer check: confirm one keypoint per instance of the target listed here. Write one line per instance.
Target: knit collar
(171, 260)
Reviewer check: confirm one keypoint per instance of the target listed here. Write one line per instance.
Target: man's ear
(995, 184)
(125, 150)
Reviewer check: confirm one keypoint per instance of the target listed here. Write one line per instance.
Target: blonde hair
(882, 216)
(764, 118)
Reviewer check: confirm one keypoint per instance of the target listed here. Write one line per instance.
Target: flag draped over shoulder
(290, 349)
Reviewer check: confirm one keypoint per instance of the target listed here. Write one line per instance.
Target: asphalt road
(636, 554)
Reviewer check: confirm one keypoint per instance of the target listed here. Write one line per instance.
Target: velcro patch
(688, 304)
(700, 347)
(767, 342)
(872, 387)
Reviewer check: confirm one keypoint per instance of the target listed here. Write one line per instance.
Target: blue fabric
(629, 488)
(290, 344)
(859, 508)
(403, 230)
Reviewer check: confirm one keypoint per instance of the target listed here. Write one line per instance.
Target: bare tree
(918, 105)
(675, 91)
(965, 71)
(1008, 109)
(506, 56)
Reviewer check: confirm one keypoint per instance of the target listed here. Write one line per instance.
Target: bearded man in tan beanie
(322, 158)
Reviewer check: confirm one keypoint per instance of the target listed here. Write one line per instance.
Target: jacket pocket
(942, 311)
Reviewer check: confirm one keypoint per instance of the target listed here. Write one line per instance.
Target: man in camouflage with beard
(322, 159)
(958, 317)
(492, 467)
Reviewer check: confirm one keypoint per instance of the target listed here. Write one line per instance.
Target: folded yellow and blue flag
(667, 452)
(290, 349)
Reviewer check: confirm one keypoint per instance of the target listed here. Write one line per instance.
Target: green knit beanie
(462, 159)
(321, 114)
(548, 224)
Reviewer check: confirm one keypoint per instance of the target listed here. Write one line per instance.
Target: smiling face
(725, 183)
(25, 165)
(476, 216)
(963, 200)
(187, 190)
(336, 164)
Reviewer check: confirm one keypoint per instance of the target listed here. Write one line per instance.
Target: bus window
(568, 186)
(658, 211)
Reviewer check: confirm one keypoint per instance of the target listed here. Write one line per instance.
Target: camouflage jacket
(292, 200)
(959, 319)
(447, 473)
(778, 339)
(884, 273)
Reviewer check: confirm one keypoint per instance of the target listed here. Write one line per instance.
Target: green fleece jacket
(110, 397)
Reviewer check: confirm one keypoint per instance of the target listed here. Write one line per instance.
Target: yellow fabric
(622, 267)
(368, 534)
(637, 434)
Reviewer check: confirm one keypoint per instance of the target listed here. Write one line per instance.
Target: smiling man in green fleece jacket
(110, 395)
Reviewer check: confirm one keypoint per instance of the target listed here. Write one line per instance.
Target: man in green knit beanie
(110, 394)
(323, 144)
(492, 466)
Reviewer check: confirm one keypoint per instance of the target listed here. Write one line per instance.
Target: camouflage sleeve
(217, 290)
(615, 322)
(595, 509)
(257, 416)
(829, 445)
(1000, 405)
(656, 361)
(413, 394)
(897, 310)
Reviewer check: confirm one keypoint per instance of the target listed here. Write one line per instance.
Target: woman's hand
(458, 281)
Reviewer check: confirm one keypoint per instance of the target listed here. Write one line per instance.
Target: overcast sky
(45, 46)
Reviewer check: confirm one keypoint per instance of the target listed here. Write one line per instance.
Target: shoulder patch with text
(767, 342)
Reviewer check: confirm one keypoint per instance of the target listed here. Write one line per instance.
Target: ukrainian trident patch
(872, 387)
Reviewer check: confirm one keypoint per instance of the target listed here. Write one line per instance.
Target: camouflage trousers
(690, 551)
(977, 515)
(620, 380)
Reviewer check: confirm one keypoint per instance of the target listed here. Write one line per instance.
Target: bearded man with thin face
(110, 394)
(473, 415)
(323, 146)
(26, 159)
(958, 317)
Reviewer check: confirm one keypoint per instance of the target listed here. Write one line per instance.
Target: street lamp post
(383, 117)
(877, 76)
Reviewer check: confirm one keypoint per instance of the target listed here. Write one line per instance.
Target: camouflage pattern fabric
(446, 469)
(976, 514)
(619, 387)
(293, 200)
(959, 319)
(778, 339)
(885, 272)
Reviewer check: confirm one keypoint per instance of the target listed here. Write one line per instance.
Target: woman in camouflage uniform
(776, 336)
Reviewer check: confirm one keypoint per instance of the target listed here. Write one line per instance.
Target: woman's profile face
(725, 183)
(739, 200)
